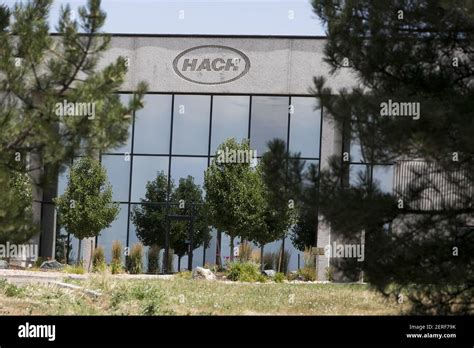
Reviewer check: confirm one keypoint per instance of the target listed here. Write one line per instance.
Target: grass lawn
(180, 296)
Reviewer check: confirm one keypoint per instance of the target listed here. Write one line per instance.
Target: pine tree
(405, 51)
(39, 73)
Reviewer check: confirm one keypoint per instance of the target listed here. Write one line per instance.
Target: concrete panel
(277, 65)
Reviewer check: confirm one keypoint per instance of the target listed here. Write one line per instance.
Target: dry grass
(193, 297)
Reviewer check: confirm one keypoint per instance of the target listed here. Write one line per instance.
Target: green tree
(191, 202)
(412, 52)
(86, 207)
(281, 176)
(228, 186)
(259, 225)
(39, 72)
(149, 218)
(16, 208)
(305, 232)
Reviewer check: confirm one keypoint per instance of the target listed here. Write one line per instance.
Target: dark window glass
(191, 124)
(230, 117)
(116, 231)
(383, 177)
(152, 125)
(356, 150)
(269, 121)
(358, 174)
(305, 126)
(146, 168)
(118, 172)
(127, 146)
(181, 167)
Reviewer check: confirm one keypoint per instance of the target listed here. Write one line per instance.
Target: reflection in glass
(230, 117)
(152, 125)
(358, 174)
(383, 177)
(126, 147)
(118, 172)
(356, 151)
(181, 167)
(191, 124)
(269, 121)
(305, 126)
(146, 168)
(117, 231)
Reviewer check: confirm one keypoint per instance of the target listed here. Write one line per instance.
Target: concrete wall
(277, 65)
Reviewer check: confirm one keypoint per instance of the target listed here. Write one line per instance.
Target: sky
(225, 17)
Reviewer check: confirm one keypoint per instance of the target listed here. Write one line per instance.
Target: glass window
(126, 147)
(305, 126)
(356, 151)
(118, 172)
(357, 174)
(146, 168)
(181, 167)
(230, 119)
(73, 253)
(62, 180)
(116, 231)
(383, 177)
(269, 121)
(191, 124)
(152, 125)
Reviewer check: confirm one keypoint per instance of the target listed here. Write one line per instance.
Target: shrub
(154, 259)
(98, 260)
(279, 277)
(135, 259)
(329, 274)
(10, 290)
(245, 251)
(307, 273)
(243, 271)
(214, 268)
(116, 264)
(185, 274)
(268, 260)
(74, 269)
(39, 261)
(255, 257)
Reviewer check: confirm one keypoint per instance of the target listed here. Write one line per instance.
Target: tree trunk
(78, 260)
(232, 249)
(218, 250)
(280, 261)
(179, 263)
(262, 267)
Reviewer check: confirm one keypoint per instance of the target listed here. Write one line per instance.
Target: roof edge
(221, 36)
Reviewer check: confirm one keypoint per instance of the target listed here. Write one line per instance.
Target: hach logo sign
(211, 65)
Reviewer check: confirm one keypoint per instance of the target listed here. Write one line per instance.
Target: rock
(269, 273)
(203, 273)
(3, 264)
(53, 264)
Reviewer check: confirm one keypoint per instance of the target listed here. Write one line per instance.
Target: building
(202, 90)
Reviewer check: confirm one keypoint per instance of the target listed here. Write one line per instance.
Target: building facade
(203, 90)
